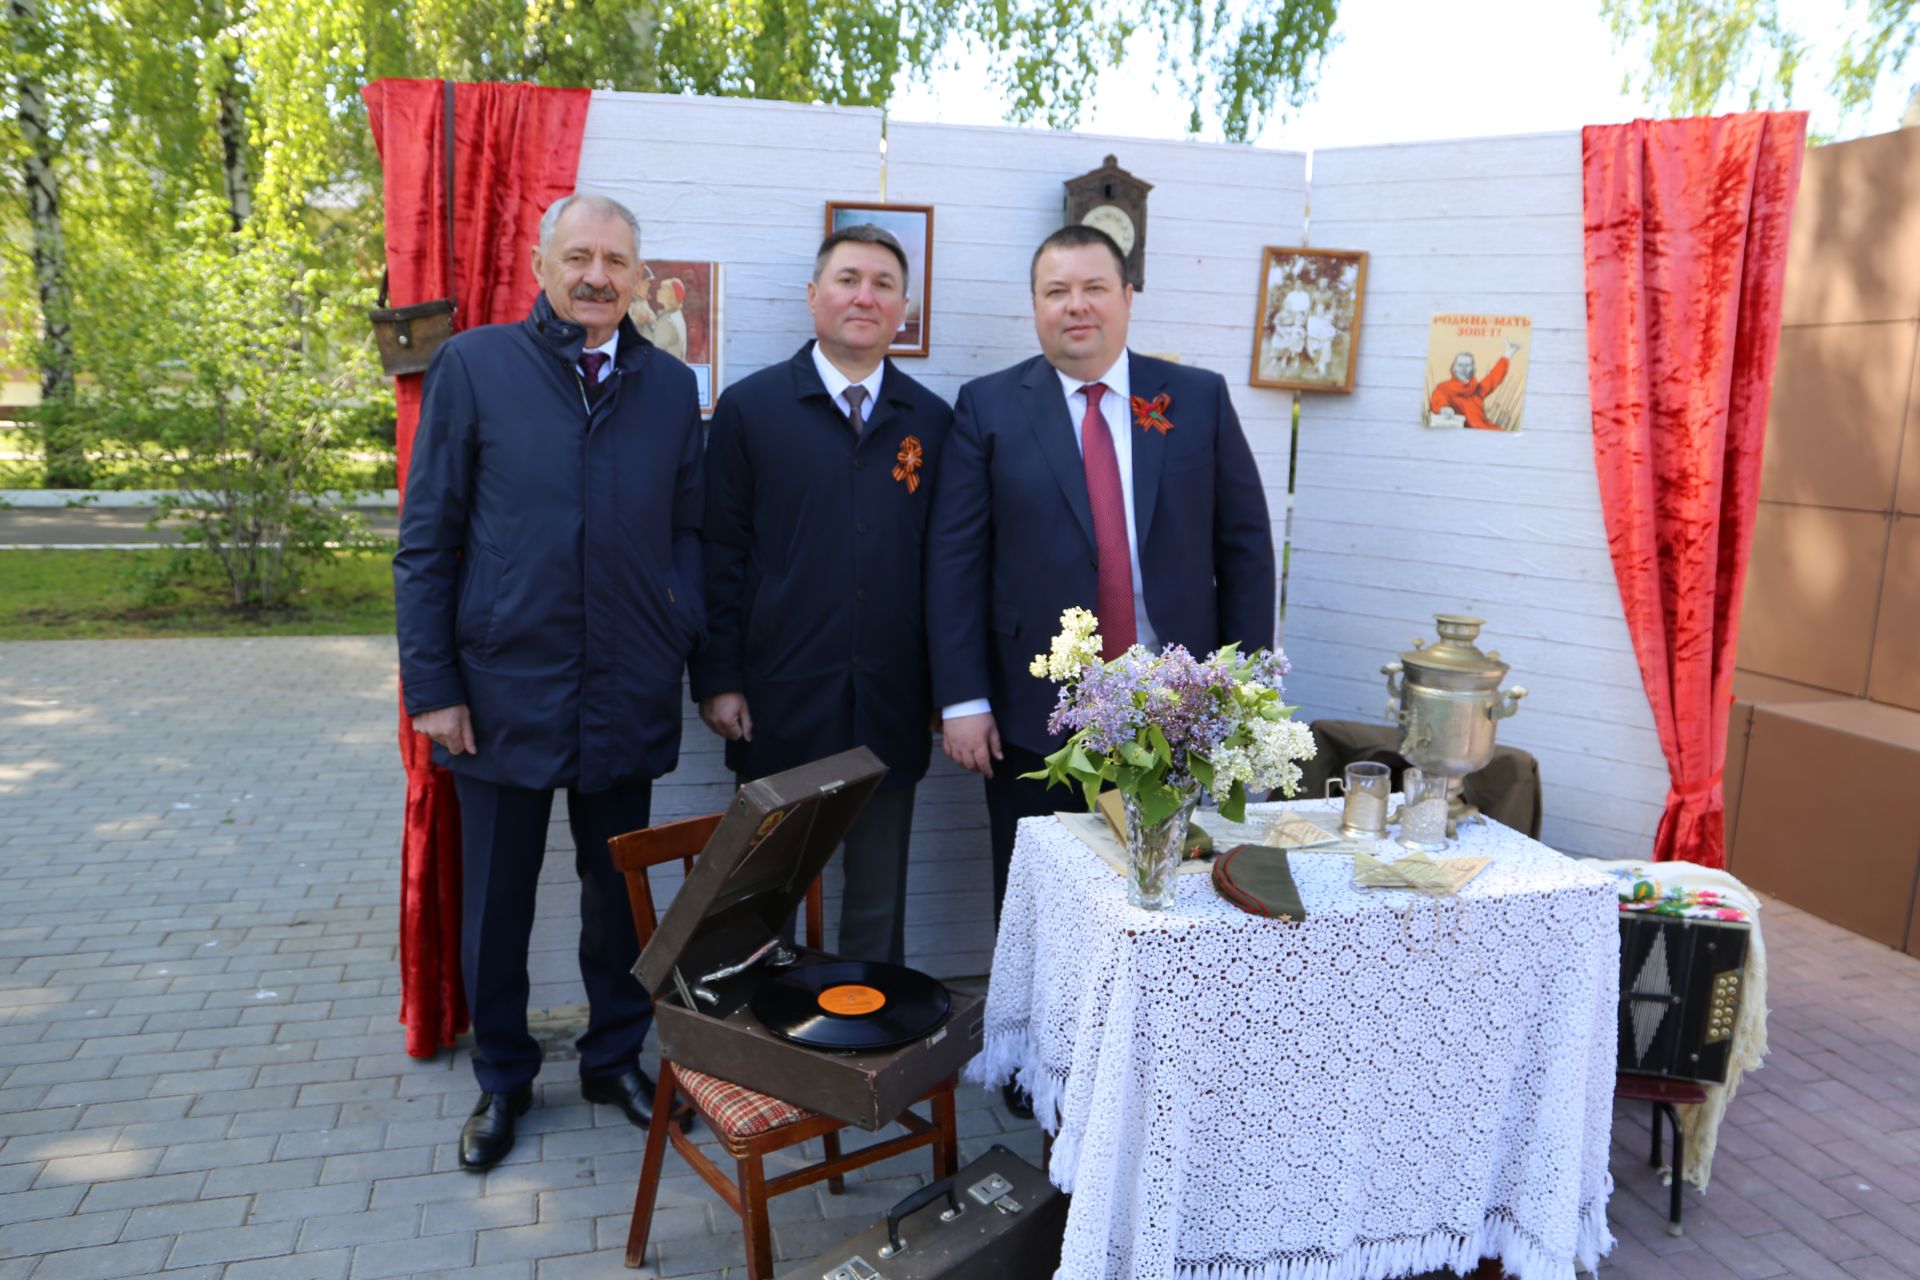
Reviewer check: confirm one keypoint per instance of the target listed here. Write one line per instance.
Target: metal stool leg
(1679, 1161)
(1654, 1159)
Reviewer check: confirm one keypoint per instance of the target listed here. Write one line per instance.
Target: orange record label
(849, 999)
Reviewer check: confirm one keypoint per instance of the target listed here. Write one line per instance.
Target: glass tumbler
(1423, 812)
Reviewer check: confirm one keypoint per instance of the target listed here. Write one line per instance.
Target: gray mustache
(589, 293)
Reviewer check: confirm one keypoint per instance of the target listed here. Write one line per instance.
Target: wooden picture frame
(912, 226)
(688, 323)
(1306, 319)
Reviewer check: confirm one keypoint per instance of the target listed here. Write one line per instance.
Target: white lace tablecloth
(1395, 1085)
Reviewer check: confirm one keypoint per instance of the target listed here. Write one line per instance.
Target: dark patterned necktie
(591, 363)
(856, 396)
(1113, 595)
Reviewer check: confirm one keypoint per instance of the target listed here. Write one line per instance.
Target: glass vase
(1154, 853)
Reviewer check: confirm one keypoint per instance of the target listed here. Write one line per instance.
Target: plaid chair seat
(737, 1111)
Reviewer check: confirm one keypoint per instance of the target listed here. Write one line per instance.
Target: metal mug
(1423, 811)
(1367, 785)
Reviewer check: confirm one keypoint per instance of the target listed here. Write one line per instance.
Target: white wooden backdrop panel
(1393, 522)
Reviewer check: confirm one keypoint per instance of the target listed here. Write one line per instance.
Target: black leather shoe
(488, 1133)
(1017, 1100)
(631, 1091)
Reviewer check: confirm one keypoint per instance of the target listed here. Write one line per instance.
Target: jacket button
(859, 463)
(861, 594)
(861, 527)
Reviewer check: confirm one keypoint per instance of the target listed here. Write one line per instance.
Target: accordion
(1680, 989)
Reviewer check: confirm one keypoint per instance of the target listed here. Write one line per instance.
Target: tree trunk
(61, 436)
(233, 145)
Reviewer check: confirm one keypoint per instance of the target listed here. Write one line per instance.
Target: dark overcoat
(813, 550)
(549, 566)
(1012, 542)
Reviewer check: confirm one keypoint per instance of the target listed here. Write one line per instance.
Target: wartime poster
(1477, 371)
(678, 310)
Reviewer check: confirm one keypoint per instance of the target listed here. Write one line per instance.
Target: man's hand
(726, 714)
(451, 727)
(972, 742)
(1513, 349)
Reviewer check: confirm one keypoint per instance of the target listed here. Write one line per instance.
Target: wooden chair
(750, 1125)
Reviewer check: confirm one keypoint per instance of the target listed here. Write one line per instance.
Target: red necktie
(1113, 597)
(591, 362)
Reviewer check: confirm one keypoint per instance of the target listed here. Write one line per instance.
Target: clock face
(1113, 220)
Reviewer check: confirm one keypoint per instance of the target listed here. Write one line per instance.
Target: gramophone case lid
(770, 846)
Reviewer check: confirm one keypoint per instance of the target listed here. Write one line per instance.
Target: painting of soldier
(1477, 372)
(678, 310)
(1307, 327)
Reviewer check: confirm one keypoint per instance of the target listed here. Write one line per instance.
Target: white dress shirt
(1115, 407)
(612, 347)
(837, 383)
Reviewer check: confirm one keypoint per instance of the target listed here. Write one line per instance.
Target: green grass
(120, 595)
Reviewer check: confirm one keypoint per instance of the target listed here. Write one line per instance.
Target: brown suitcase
(769, 847)
(997, 1219)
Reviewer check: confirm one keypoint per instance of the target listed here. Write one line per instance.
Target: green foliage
(225, 375)
(1708, 55)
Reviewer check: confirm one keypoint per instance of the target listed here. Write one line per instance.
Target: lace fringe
(1440, 1250)
(1008, 1058)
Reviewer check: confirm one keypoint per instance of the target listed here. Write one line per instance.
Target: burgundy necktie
(592, 362)
(1113, 597)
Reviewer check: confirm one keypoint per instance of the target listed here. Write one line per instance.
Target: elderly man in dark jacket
(547, 585)
(820, 478)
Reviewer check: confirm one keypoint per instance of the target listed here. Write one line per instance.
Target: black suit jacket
(813, 550)
(1012, 543)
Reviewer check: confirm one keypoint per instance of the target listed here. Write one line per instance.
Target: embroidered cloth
(1399, 1083)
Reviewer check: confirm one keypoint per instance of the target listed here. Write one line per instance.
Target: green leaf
(1234, 806)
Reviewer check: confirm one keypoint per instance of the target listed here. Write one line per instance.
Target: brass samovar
(1446, 698)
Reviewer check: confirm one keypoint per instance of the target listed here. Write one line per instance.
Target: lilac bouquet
(1159, 727)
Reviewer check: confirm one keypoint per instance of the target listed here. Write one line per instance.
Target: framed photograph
(679, 310)
(1306, 326)
(912, 226)
(1477, 371)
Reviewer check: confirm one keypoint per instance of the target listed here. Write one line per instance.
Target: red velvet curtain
(1686, 246)
(517, 148)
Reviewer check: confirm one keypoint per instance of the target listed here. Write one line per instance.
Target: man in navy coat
(1086, 476)
(547, 585)
(820, 478)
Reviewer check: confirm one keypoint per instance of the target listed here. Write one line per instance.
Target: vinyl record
(851, 1005)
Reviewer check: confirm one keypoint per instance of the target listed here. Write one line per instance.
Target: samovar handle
(1509, 704)
(1396, 686)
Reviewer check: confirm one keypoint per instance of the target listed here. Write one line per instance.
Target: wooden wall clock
(1115, 202)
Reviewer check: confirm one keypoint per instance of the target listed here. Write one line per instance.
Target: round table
(1396, 1084)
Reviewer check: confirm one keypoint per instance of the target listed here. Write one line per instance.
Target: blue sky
(1545, 66)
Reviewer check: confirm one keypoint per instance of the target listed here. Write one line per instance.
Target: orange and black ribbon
(1152, 414)
(906, 467)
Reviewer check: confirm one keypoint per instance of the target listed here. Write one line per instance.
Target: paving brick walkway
(200, 1072)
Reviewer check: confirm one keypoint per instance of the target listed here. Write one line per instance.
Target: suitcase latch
(854, 1268)
(1007, 1205)
(990, 1188)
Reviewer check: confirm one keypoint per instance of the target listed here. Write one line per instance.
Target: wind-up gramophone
(1446, 698)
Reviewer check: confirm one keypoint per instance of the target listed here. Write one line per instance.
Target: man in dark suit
(547, 589)
(820, 478)
(1085, 476)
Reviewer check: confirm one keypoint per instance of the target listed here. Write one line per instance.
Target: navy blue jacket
(813, 551)
(549, 566)
(1012, 542)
